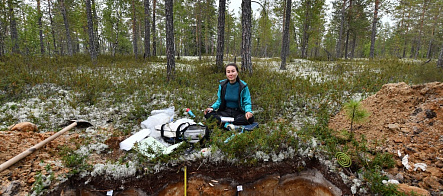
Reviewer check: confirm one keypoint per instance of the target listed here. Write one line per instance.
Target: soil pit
(223, 179)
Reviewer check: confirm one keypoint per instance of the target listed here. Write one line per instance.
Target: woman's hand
(208, 110)
(248, 115)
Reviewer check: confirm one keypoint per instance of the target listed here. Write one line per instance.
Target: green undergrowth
(272, 139)
(278, 98)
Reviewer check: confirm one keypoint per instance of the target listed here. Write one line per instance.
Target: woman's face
(231, 74)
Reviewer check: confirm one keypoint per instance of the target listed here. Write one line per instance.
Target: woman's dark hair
(236, 68)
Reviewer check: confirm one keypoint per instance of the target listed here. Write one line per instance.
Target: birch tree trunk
(285, 39)
(170, 51)
(221, 34)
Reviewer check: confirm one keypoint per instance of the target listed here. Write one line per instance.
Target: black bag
(187, 132)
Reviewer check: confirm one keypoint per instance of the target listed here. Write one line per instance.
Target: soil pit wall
(283, 178)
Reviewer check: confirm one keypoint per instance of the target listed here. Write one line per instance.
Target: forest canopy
(352, 29)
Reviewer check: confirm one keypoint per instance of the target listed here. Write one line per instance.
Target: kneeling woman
(234, 100)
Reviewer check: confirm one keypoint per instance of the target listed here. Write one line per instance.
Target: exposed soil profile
(223, 179)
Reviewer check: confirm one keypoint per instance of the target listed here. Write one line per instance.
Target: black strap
(179, 132)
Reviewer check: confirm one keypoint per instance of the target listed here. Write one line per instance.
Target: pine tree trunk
(52, 27)
(95, 22)
(67, 30)
(285, 39)
(2, 31)
(90, 31)
(40, 28)
(134, 30)
(246, 36)
(198, 30)
(431, 41)
(304, 43)
(347, 43)
(13, 28)
(354, 42)
(440, 58)
(154, 35)
(170, 52)
(429, 54)
(374, 29)
(147, 30)
(340, 35)
(221, 34)
(422, 18)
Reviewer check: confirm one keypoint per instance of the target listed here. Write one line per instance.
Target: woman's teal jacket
(244, 100)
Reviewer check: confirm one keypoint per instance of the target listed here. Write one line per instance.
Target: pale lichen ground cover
(51, 106)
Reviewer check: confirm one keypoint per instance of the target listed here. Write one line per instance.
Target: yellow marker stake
(185, 181)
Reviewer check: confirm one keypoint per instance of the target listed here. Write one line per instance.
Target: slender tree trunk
(13, 28)
(2, 30)
(170, 51)
(304, 43)
(134, 30)
(52, 27)
(96, 34)
(198, 30)
(346, 44)
(436, 17)
(340, 35)
(221, 34)
(154, 35)
(67, 30)
(285, 39)
(440, 57)
(40, 28)
(147, 30)
(374, 29)
(92, 51)
(429, 53)
(2, 43)
(246, 36)
(354, 42)
(422, 18)
(117, 30)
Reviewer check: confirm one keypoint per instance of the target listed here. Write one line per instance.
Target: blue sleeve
(216, 105)
(246, 100)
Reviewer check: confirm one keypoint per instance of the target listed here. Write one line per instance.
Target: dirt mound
(405, 120)
(19, 178)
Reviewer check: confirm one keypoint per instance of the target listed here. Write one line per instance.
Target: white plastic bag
(158, 117)
(128, 143)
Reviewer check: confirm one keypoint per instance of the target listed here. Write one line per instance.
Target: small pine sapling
(355, 113)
